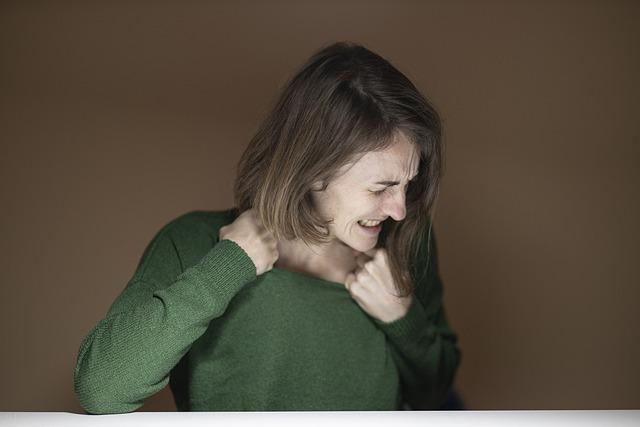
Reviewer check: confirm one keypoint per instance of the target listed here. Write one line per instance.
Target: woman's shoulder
(200, 221)
(182, 242)
(191, 231)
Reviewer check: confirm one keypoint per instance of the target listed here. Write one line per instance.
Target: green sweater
(195, 315)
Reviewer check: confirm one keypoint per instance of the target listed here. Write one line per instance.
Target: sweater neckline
(308, 277)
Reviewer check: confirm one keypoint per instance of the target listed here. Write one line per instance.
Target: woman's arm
(129, 354)
(422, 344)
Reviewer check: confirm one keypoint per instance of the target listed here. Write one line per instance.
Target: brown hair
(344, 102)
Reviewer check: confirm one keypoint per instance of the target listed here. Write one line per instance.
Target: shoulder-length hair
(345, 101)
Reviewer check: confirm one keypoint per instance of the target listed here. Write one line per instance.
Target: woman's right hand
(248, 232)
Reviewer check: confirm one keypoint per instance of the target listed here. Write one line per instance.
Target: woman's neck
(333, 258)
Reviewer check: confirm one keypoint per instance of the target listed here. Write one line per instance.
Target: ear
(317, 186)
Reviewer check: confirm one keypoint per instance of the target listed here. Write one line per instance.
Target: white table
(608, 418)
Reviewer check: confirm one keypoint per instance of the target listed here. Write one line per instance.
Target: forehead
(400, 160)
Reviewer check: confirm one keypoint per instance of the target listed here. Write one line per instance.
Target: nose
(394, 206)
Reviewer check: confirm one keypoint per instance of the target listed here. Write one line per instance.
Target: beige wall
(116, 118)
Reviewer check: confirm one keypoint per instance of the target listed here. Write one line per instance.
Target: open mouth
(371, 227)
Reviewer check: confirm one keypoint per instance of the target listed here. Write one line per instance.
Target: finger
(369, 267)
(349, 280)
(361, 275)
(368, 264)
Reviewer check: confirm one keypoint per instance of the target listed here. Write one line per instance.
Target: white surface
(329, 419)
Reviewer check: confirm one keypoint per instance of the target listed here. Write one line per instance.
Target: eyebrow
(392, 183)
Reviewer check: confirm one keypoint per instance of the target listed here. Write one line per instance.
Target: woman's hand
(258, 242)
(371, 285)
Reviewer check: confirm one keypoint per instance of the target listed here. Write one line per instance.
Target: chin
(363, 246)
(358, 242)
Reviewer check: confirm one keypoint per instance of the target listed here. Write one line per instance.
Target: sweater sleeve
(422, 344)
(127, 357)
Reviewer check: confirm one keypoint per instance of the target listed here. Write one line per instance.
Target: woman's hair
(345, 101)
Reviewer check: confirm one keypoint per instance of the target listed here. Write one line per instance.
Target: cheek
(362, 207)
(348, 207)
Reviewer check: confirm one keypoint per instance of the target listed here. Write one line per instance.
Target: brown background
(117, 117)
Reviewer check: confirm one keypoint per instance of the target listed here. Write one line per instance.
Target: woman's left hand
(371, 285)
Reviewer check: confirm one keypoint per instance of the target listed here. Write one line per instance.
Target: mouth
(371, 227)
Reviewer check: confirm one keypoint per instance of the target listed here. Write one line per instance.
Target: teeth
(368, 223)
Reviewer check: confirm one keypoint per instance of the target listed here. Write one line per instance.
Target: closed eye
(391, 184)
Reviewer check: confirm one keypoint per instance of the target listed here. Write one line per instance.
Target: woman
(320, 290)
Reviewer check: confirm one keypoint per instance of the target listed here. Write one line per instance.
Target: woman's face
(373, 188)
